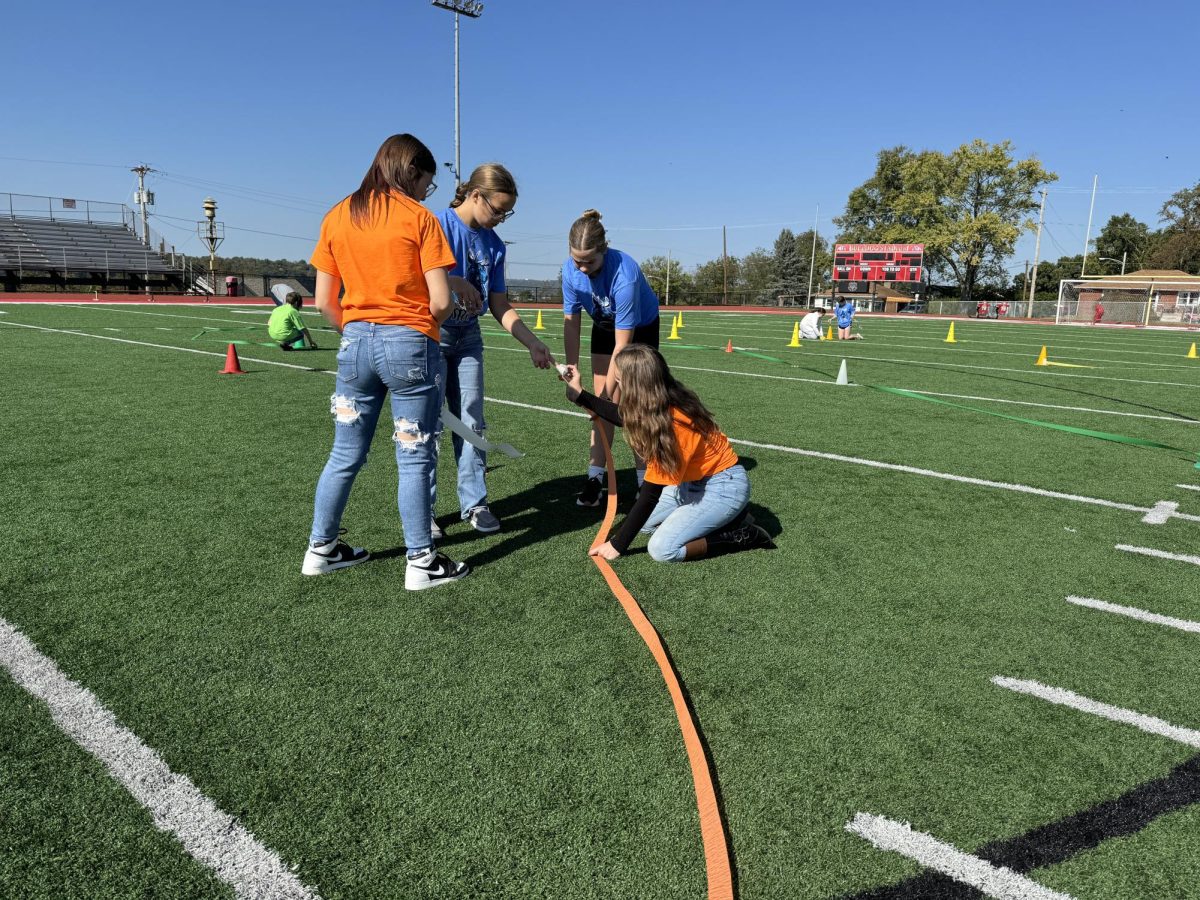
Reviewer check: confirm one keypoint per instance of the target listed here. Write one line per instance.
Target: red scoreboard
(877, 262)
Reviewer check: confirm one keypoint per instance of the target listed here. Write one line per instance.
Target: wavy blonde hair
(489, 178)
(649, 396)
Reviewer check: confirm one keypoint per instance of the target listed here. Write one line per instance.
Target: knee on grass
(662, 550)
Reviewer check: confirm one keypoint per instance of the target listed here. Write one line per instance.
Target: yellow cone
(1041, 360)
(681, 318)
(1192, 352)
(829, 333)
(795, 335)
(674, 335)
(950, 335)
(539, 326)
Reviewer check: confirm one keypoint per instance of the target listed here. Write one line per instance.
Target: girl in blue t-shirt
(609, 284)
(845, 318)
(481, 203)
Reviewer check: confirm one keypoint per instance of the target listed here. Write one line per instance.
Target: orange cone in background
(233, 365)
(1041, 360)
(729, 347)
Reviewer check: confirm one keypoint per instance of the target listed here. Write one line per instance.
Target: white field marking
(212, 837)
(1134, 613)
(1189, 487)
(1086, 348)
(165, 315)
(992, 880)
(816, 454)
(1161, 512)
(1064, 697)
(1160, 554)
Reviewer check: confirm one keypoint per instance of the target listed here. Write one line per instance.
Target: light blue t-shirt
(478, 257)
(845, 314)
(619, 293)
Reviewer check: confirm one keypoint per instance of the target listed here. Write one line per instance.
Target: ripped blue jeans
(372, 360)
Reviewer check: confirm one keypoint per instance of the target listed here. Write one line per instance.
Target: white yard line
(1189, 487)
(1160, 554)
(211, 836)
(1135, 613)
(816, 454)
(1064, 697)
(992, 880)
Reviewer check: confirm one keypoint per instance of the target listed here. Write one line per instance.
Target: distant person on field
(810, 325)
(1098, 314)
(287, 329)
(845, 318)
(693, 500)
(392, 256)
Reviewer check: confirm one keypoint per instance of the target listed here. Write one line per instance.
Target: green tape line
(1070, 429)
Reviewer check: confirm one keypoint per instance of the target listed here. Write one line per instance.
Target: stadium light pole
(1124, 256)
(474, 10)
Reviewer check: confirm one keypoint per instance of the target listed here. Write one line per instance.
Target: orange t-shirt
(383, 265)
(702, 456)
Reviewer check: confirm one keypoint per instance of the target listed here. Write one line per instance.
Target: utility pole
(143, 198)
(812, 259)
(725, 266)
(668, 300)
(1037, 250)
(1087, 237)
(474, 10)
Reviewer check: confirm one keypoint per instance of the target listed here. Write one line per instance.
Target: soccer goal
(1129, 300)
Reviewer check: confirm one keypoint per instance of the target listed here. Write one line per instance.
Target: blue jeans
(372, 360)
(693, 510)
(462, 392)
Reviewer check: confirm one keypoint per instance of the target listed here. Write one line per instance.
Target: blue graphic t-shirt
(845, 314)
(619, 293)
(478, 257)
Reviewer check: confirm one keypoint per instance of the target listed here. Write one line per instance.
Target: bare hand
(468, 295)
(574, 388)
(540, 355)
(607, 550)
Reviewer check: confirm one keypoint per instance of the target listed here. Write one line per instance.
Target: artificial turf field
(509, 735)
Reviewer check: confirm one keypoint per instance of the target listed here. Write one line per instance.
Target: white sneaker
(435, 530)
(483, 521)
(336, 554)
(431, 570)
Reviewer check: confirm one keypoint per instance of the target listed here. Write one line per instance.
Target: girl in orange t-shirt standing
(391, 255)
(695, 492)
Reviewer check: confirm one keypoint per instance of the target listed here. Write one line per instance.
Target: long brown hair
(398, 166)
(587, 234)
(489, 178)
(649, 396)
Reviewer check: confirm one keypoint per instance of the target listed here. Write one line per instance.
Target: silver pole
(812, 259)
(668, 300)
(1087, 237)
(1037, 249)
(457, 146)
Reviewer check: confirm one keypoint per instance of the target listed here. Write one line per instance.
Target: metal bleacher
(33, 244)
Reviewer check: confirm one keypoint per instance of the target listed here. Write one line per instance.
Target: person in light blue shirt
(845, 318)
(610, 286)
(481, 203)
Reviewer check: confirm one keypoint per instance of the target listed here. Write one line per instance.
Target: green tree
(1177, 246)
(968, 208)
(822, 261)
(655, 270)
(756, 272)
(787, 273)
(708, 279)
(1121, 236)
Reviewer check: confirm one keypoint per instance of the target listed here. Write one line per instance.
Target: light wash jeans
(372, 360)
(693, 510)
(462, 392)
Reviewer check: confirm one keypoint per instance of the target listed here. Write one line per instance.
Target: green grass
(510, 736)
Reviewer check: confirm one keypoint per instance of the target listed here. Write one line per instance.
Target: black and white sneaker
(336, 554)
(431, 570)
(593, 492)
(435, 530)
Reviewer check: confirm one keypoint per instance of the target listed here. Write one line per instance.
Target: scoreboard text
(877, 262)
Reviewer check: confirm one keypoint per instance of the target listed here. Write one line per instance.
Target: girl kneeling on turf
(695, 493)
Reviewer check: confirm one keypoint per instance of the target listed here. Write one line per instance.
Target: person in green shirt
(287, 329)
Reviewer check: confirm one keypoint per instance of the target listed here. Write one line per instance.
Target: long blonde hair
(489, 178)
(587, 234)
(649, 397)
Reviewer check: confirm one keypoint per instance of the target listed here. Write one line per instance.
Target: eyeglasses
(430, 191)
(502, 216)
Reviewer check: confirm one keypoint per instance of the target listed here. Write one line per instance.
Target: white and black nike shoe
(336, 554)
(431, 570)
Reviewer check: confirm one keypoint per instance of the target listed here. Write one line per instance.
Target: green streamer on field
(757, 355)
(1070, 429)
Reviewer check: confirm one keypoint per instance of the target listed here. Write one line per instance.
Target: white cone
(843, 378)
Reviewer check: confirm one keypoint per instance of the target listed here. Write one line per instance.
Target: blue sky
(671, 118)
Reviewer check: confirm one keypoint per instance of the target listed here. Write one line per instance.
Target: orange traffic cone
(233, 365)
(729, 347)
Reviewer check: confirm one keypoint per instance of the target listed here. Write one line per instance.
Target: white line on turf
(1160, 554)
(1189, 487)
(1134, 613)
(992, 880)
(176, 805)
(834, 457)
(1064, 697)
